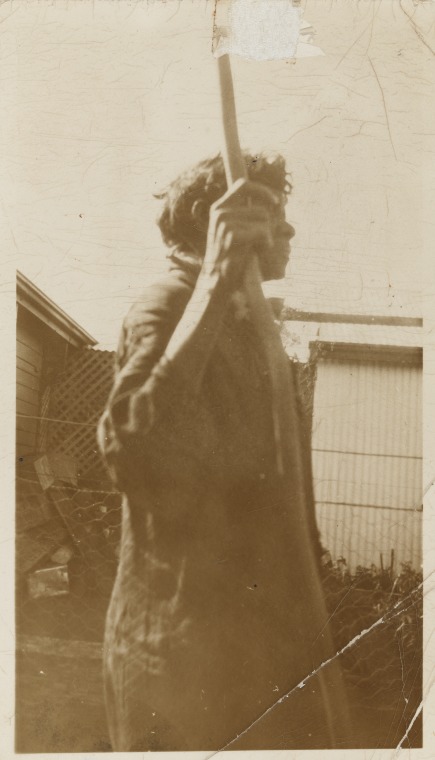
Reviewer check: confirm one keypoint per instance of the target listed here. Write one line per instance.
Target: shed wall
(367, 460)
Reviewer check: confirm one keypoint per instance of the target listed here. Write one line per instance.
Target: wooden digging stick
(261, 311)
(288, 446)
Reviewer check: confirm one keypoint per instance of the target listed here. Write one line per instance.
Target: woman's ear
(200, 215)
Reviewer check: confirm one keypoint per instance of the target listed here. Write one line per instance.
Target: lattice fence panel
(77, 401)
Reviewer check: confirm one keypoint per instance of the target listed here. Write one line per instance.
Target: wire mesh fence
(67, 564)
(376, 616)
(67, 547)
(375, 613)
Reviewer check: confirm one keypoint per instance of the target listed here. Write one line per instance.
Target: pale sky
(105, 102)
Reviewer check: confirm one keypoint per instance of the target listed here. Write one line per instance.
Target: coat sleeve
(144, 386)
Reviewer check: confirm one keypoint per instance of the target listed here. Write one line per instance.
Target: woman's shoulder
(161, 299)
(153, 316)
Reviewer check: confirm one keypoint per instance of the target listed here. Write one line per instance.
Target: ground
(60, 705)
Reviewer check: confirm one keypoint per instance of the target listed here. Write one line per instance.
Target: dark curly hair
(206, 182)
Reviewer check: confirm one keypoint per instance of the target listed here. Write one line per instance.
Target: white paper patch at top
(260, 29)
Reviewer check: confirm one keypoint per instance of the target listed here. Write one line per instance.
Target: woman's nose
(288, 230)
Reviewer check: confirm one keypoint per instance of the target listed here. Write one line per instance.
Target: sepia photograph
(215, 211)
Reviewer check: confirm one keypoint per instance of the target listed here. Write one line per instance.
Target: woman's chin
(279, 266)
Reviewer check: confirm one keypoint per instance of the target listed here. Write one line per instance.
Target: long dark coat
(214, 617)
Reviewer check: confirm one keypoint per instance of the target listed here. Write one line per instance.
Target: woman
(216, 615)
